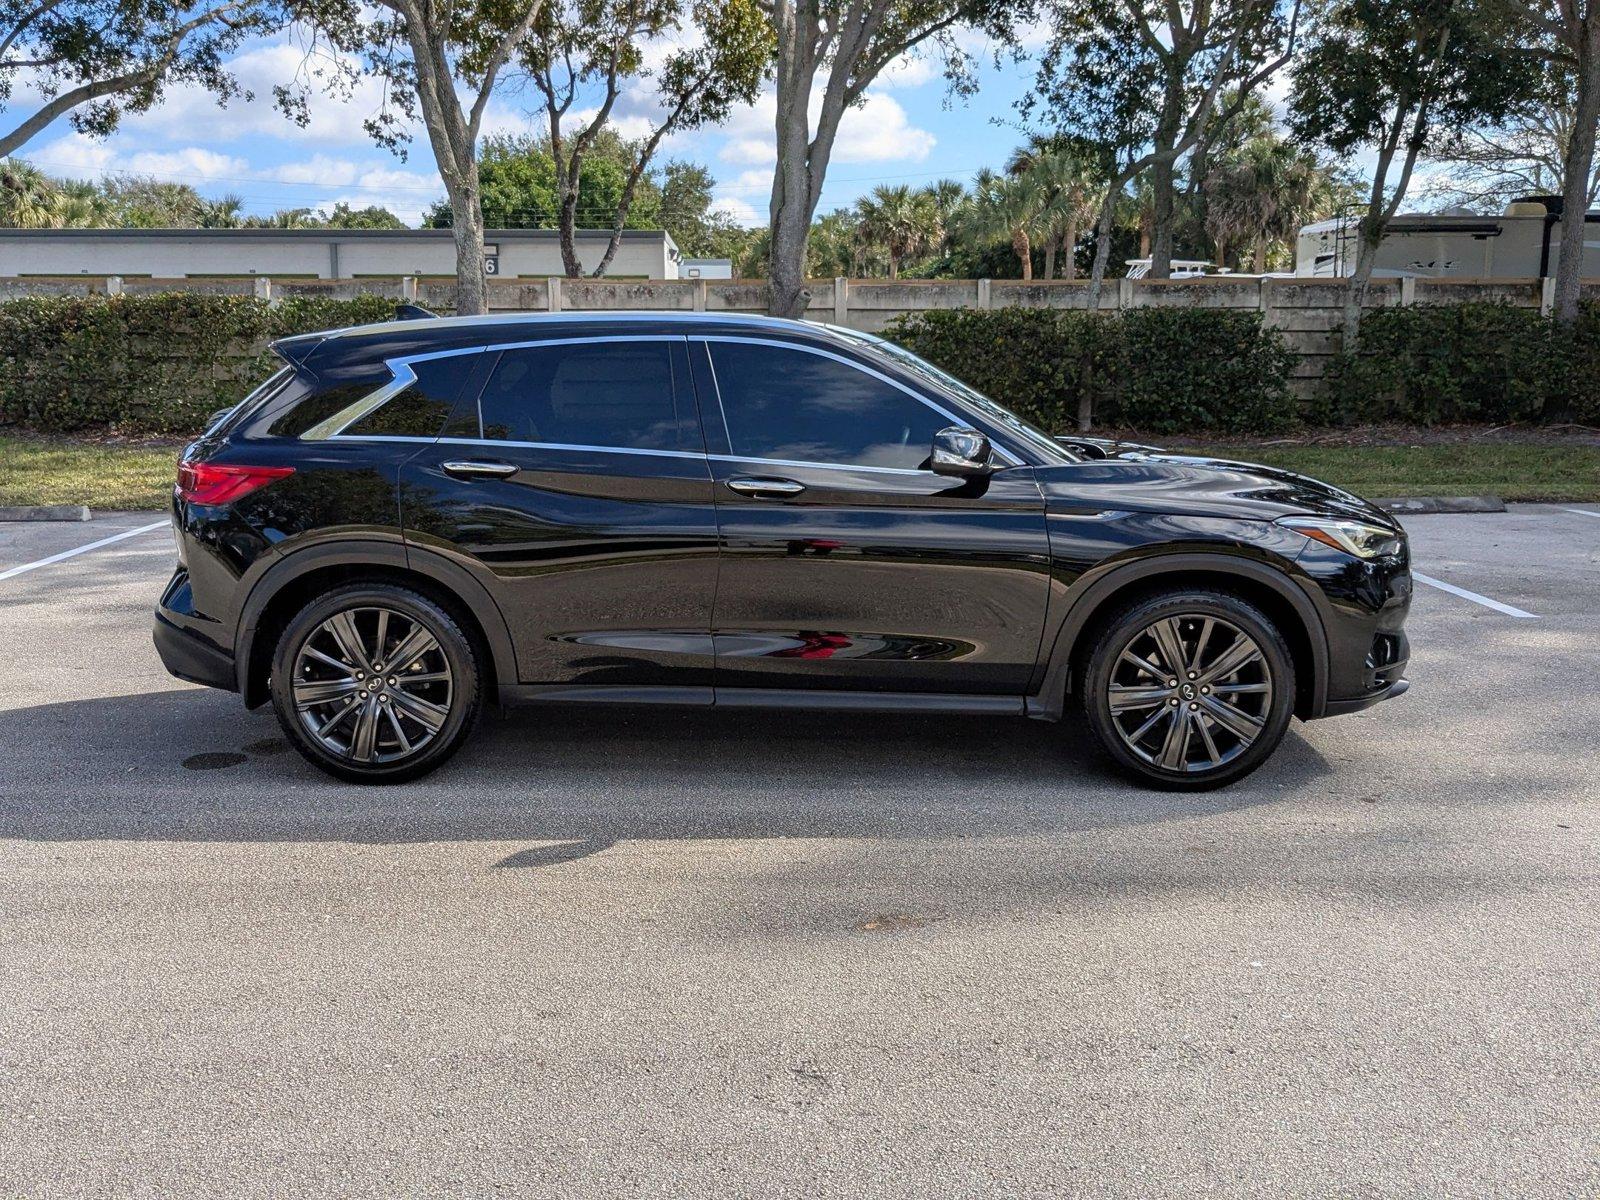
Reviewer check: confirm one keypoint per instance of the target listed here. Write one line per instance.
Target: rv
(1523, 243)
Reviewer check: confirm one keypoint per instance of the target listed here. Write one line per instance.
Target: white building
(319, 253)
(706, 268)
(1522, 243)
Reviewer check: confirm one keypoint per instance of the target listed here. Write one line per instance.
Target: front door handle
(474, 467)
(767, 489)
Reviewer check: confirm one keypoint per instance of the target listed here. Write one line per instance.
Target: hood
(1152, 481)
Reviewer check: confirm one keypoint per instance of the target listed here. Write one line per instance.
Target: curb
(1444, 504)
(46, 512)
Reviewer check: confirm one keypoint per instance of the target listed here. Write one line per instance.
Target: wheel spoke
(328, 660)
(1144, 665)
(1200, 643)
(1241, 654)
(413, 646)
(1201, 723)
(311, 692)
(394, 723)
(1241, 724)
(383, 635)
(1170, 642)
(427, 714)
(1240, 689)
(1125, 698)
(364, 743)
(343, 628)
(1175, 750)
(421, 677)
(332, 722)
(1133, 738)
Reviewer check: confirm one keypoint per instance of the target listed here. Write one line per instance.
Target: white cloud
(191, 162)
(876, 131)
(908, 71)
(741, 211)
(319, 168)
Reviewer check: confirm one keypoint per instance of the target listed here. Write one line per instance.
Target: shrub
(1164, 370)
(147, 364)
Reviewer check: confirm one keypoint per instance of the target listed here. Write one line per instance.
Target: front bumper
(181, 641)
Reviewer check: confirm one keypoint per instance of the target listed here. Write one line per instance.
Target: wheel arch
(1267, 587)
(286, 587)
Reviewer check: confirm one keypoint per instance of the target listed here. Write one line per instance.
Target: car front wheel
(375, 683)
(1189, 689)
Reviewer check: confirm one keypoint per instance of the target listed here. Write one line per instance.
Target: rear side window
(802, 407)
(616, 395)
(418, 409)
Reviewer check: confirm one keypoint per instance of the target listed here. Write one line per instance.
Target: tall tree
(1567, 36)
(1486, 167)
(585, 52)
(1008, 207)
(440, 60)
(843, 45)
(1260, 194)
(899, 221)
(1145, 77)
(94, 60)
(1378, 74)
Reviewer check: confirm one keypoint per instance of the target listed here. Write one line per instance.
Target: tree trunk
(1023, 248)
(1050, 260)
(1069, 247)
(472, 285)
(1576, 166)
(1159, 245)
(1102, 255)
(1261, 256)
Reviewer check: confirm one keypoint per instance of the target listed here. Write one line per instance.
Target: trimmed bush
(1163, 370)
(147, 364)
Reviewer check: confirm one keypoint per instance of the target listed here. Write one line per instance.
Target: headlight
(1353, 537)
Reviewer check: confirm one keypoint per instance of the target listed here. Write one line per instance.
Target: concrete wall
(1306, 311)
(313, 253)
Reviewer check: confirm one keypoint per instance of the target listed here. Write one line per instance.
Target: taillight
(223, 483)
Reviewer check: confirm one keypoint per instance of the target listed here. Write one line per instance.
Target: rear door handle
(488, 468)
(767, 489)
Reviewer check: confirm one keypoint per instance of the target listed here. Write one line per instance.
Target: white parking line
(1473, 596)
(65, 554)
(1582, 512)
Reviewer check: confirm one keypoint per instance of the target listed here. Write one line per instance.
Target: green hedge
(1162, 370)
(1432, 364)
(147, 364)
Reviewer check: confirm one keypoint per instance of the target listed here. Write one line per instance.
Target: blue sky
(908, 131)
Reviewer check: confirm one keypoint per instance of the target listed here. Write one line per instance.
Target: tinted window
(421, 409)
(617, 394)
(794, 405)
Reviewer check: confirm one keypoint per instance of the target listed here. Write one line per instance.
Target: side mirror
(961, 452)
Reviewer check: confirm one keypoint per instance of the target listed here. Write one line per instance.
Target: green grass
(106, 476)
(1510, 470)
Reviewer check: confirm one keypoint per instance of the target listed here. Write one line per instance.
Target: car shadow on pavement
(189, 765)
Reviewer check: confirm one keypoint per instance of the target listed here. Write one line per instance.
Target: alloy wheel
(1189, 693)
(372, 685)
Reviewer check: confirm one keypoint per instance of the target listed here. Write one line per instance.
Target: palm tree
(900, 221)
(27, 196)
(1260, 194)
(949, 199)
(223, 213)
(1072, 193)
(1009, 208)
(83, 204)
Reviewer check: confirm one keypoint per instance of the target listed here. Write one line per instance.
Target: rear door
(847, 564)
(573, 483)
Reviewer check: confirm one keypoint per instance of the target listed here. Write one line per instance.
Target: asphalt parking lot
(658, 953)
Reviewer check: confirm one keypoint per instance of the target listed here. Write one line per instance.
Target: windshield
(1039, 441)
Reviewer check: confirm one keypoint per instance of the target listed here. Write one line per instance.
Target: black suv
(412, 518)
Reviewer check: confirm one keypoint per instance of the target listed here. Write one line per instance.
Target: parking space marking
(1582, 512)
(1509, 610)
(73, 553)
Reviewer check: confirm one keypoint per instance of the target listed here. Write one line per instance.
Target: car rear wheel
(376, 683)
(1189, 690)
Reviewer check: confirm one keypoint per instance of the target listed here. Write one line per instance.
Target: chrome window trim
(965, 423)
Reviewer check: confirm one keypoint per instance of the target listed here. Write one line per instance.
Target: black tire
(1213, 752)
(405, 699)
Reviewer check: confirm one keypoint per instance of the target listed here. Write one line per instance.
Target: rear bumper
(184, 648)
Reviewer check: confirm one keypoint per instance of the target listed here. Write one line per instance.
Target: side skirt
(762, 698)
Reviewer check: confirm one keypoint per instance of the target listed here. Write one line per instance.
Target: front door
(845, 563)
(575, 486)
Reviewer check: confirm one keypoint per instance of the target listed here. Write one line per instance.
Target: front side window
(613, 395)
(790, 404)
